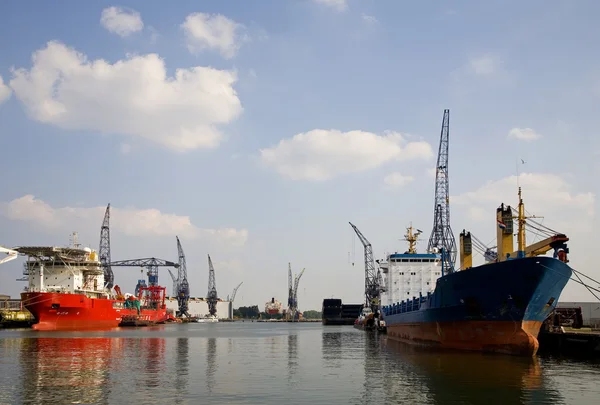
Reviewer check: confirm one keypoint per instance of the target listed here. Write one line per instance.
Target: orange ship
(66, 291)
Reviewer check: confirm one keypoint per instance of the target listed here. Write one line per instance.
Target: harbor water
(272, 363)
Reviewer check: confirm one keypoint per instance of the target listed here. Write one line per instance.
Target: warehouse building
(590, 311)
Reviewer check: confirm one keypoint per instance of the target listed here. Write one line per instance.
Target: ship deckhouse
(409, 274)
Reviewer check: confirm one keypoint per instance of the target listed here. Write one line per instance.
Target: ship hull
(497, 307)
(56, 311)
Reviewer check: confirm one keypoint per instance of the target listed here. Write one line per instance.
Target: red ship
(66, 291)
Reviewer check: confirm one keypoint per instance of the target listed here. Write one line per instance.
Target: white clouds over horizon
(121, 21)
(319, 154)
(5, 91)
(337, 5)
(129, 221)
(213, 32)
(397, 180)
(524, 134)
(131, 97)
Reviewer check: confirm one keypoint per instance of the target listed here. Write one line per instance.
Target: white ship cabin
(64, 270)
(409, 274)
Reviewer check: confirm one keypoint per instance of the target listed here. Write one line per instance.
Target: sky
(255, 131)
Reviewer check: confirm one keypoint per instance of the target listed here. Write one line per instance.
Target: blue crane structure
(442, 239)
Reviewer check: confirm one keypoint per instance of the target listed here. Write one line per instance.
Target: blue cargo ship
(495, 307)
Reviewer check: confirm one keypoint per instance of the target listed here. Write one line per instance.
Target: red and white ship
(66, 291)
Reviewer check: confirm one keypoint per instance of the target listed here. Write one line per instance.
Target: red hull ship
(66, 292)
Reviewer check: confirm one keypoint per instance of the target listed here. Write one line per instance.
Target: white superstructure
(410, 274)
(72, 270)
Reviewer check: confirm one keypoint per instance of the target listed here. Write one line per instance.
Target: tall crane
(293, 300)
(442, 238)
(231, 298)
(175, 282)
(290, 287)
(104, 251)
(372, 278)
(211, 298)
(183, 287)
(155, 293)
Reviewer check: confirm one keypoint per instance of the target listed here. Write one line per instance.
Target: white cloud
(369, 19)
(213, 32)
(133, 96)
(5, 91)
(323, 154)
(396, 180)
(544, 194)
(431, 172)
(121, 21)
(125, 148)
(338, 5)
(130, 221)
(524, 134)
(484, 65)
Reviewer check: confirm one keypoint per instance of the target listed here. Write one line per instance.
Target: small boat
(208, 319)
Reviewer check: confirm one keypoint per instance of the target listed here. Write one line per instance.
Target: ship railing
(408, 305)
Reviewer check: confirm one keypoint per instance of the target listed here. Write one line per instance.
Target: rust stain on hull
(507, 337)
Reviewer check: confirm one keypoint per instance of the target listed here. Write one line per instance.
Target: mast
(521, 223)
(411, 238)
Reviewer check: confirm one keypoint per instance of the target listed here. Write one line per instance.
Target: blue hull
(495, 307)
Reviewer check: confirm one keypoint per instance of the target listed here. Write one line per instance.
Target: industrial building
(590, 311)
(199, 307)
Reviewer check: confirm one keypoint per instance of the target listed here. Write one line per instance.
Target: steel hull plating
(56, 311)
(497, 307)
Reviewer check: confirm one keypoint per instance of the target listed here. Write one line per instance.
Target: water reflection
(451, 377)
(292, 345)
(331, 348)
(181, 369)
(67, 370)
(211, 364)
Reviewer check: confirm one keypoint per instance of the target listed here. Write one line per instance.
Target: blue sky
(257, 135)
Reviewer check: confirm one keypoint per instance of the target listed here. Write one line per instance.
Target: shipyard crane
(211, 298)
(152, 264)
(442, 238)
(372, 278)
(175, 282)
(231, 298)
(293, 301)
(104, 251)
(290, 287)
(183, 287)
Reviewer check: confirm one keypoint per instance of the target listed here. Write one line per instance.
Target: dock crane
(442, 238)
(154, 291)
(183, 287)
(211, 297)
(175, 282)
(104, 250)
(231, 299)
(372, 277)
(293, 298)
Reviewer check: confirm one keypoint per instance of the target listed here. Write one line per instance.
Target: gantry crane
(442, 238)
(104, 251)
(373, 285)
(183, 287)
(293, 299)
(154, 292)
(211, 297)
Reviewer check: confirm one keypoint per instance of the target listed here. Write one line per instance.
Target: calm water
(270, 363)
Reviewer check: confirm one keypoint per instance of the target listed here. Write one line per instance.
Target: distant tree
(247, 312)
(311, 314)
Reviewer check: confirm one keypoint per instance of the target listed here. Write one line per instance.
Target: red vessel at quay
(66, 291)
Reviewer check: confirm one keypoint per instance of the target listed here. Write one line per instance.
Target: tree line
(253, 312)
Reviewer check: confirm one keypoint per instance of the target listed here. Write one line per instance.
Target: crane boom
(442, 237)
(104, 250)
(183, 287)
(175, 282)
(10, 254)
(211, 297)
(372, 286)
(235, 291)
